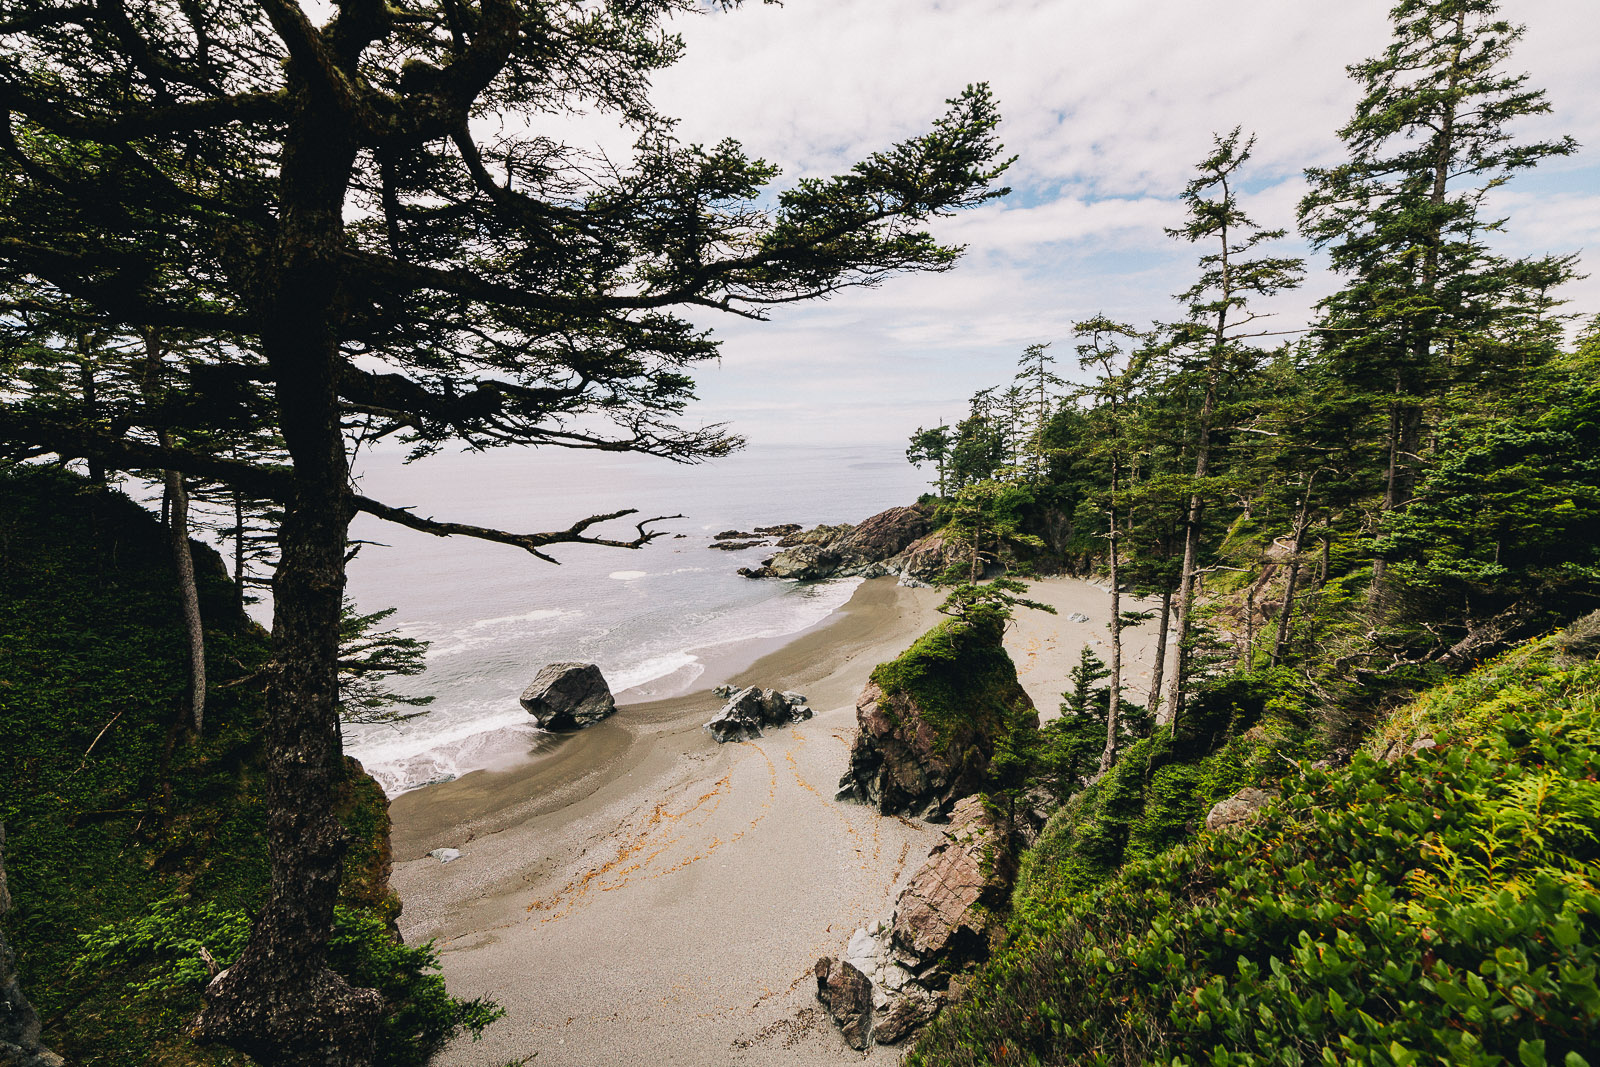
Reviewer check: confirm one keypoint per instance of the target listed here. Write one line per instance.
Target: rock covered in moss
(928, 721)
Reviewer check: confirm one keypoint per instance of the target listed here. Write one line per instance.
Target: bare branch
(529, 542)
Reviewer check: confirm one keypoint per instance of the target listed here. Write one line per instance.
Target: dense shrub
(130, 845)
(1442, 909)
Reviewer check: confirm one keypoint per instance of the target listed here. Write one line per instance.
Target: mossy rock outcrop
(930, 719)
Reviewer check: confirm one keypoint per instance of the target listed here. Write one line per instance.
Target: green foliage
(368, 656)
(1511, 510)
(129, 845)
(162, 955)
(1443, 909)
(959, 675)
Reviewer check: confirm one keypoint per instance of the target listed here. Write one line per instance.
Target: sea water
(652, 618)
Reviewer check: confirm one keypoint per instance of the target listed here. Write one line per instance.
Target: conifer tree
(1210, 342)
(327, 193)
(1402, 218)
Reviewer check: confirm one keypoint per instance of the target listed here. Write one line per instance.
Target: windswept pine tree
(320, 194)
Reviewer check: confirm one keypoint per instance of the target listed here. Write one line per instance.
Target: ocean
(655, 619)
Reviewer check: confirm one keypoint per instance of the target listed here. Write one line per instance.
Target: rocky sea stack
(929, 720)
(568, 696)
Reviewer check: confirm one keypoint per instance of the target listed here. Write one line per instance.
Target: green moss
(959, 676)
(130, 844)
(1443, 909)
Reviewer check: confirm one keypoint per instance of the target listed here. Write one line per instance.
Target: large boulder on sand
(847, 994)
(749, 710)
(944, 918)
(568, 696)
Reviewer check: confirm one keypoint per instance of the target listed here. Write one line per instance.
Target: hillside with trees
(238, 245)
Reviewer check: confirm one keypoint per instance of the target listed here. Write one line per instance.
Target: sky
(1108, 106)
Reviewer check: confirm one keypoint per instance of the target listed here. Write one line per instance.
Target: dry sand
(638, 894)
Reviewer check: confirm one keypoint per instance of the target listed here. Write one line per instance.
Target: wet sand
(637, 894)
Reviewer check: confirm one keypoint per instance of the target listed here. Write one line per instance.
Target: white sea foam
(626, 576)
(473, 733)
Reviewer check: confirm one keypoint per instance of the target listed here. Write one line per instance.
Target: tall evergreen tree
(403, 269)
(1210, 343)
(1402, 218)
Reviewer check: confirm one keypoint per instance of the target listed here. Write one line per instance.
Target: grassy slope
(1442, 909)
(151, 843)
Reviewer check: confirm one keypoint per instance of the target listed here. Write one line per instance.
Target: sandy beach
(638, 894)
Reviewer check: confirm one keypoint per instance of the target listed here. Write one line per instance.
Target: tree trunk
(280, 1003)
(238, 551)
(1287, 607)
(188, 592)
(1113, 713)
(1160, 668)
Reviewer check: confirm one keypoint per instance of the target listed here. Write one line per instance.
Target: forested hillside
(134, 849)
(1337, 524)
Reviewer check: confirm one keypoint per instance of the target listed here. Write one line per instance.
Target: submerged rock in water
(568, 696)
(751, 709)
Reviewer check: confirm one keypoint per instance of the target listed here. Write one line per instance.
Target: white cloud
(1108, 106)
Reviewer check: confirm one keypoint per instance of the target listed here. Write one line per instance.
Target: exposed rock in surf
(846, 551)
(751, 709)
(568, 696)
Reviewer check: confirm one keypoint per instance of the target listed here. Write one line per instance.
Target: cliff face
(121, 827)
(930, 719)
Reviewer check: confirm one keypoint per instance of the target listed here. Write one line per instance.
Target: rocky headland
(900, 541)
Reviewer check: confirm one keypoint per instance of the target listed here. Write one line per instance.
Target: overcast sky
(1108, 105)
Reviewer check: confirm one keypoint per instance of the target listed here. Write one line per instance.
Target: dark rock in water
(568, 696)
(944, 918)
(805, 563)
(737, 546)
(756, 572)
(734, 535)
(751, 709)
(888, 533)
(847, 994)
(846, 551)
(783, 529)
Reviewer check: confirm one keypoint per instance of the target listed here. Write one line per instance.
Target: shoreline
(639, 894)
